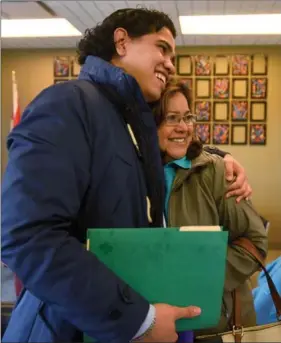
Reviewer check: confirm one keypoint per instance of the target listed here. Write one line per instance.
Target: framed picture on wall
(239, 110)
(184, 65)
(203, 110)
(258, 134)
(259, 64)
(239, 88)
(220, 134)
(221, 88)
(59, 80)
(240, 65)
(202, 88)
(259, 88)
(75, 67)
(61, 66)
(239, 133)
(221, 65)
(202, 65)
(221, 111)
(204, 133)
(258, 111)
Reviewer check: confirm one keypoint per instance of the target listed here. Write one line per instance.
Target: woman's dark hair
(99, 41)
(159, 110)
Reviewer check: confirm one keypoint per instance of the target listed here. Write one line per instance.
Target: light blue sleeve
(264, 306)
(147, 322)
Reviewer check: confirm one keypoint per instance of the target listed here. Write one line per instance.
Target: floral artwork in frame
(258, 88)
(258, 134)
(202, 65)
(203, 132)
(221, 88)
(239, 111)
(203, 110)
(240, 65)
(221, 134)
(61, 66)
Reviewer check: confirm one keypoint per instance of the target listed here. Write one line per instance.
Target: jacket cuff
(147, 322)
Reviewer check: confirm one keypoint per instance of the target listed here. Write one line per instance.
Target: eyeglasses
(175, 119)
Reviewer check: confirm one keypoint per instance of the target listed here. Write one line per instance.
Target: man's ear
(121, 38)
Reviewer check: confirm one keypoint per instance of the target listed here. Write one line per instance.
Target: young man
(86, 155)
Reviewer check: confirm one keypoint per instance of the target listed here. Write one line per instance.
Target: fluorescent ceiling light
(248, 24)
(53, 27)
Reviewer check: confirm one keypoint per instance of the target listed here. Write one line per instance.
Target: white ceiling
(85, 14)
(23, 9)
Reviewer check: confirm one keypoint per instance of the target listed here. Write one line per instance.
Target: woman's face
(176, 131)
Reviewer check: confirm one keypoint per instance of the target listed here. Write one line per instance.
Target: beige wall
(263, 163)
(34, 71)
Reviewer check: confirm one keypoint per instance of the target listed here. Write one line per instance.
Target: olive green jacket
(198, 198)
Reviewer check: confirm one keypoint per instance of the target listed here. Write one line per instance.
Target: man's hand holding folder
(163, 328)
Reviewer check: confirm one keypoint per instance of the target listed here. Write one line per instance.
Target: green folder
(167, 265)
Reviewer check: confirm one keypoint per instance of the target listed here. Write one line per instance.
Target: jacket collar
(100, 71)
(196, 164)
(182, 163)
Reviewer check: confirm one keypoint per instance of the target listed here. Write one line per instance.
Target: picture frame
(239, 88)
(202, 88)
(203, 132)
(258, 134)
(239, 110)
(259, 64)
(75, 67)
(184, 65)
(203, 110)
(258, 111)
(60, 80)
(239, 134)
(221, 88)
(221, 134)
(61, 66)
(259, 88)
(240, 64)
(202, 65)
(221, 110)
(221, 65)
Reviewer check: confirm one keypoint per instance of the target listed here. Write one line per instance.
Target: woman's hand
(240, 187)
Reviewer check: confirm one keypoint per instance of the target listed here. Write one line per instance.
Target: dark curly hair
(176, 85)
(99, 41)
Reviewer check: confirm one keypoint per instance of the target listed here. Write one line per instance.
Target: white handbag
(255, 334)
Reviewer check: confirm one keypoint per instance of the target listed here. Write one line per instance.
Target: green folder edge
(222, 240)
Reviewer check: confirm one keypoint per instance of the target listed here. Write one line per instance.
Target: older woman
(195, 195)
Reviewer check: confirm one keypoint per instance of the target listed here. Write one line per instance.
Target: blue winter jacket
(72, 166)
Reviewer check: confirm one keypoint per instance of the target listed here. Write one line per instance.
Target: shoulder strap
(250, 248)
